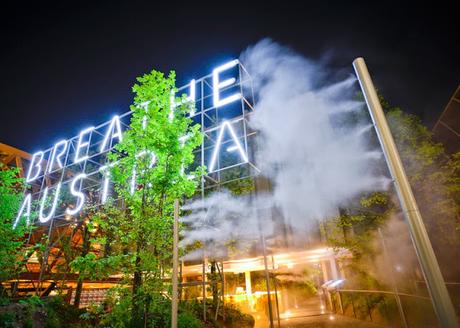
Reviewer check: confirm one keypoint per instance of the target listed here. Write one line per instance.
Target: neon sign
(80, 163)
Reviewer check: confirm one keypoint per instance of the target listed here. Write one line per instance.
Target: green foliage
(33, 302)
(434, 177)
(158, 314)
(188, 320)
(90, 267)
(356, 232)
(135, 228)
(235, 318)
(12, 253)
(435, 181)
(35, 312)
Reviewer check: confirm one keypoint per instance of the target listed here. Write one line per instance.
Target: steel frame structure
(229, 168)
(206, 114)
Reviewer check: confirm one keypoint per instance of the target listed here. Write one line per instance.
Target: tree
(11, 240)
(148, 175)
(435, 180)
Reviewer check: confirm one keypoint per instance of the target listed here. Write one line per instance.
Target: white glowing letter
(81, 144)
(105, 184)
(35, 166)
(218, 85)
(56, 155)
(132, 186)
(237, 145)
(110, 134)
(25, 205)
(105, 189)
(192, 96)
(41, 217)
(153, 158)
(182, 141)
(76, 193)
(145, 106)
(172, 105)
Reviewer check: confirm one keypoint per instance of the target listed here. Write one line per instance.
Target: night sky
(67, 66)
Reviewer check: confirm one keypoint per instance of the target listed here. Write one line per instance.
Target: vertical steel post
(435, 282)
(175, 264)
(276, 294)
(267, 281)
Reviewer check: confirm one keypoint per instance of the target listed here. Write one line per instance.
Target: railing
(384, 307)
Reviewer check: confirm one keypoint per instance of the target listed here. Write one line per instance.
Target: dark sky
(67, 66)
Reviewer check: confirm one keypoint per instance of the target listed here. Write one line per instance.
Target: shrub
(34, 311)
(188, 320)
(233, 317)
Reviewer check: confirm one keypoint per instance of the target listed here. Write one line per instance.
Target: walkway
(321, 321)
(313, 314)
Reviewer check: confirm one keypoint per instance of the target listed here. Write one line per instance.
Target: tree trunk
(136, 316)
(214, 289)
(84, 252)
(344, 217)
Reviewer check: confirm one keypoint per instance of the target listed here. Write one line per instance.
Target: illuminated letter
(219, 141)
(82, 144)
(114, 124)
(133, 182)
(153, 158)
(182, 141)
(34, 165)
(190, 98)
(144, 105)
(76, 193)
(172, 104)
(105, 189)
(25, 204)
(105, 183)
(42, 218)
(57, 156)
(217, 85)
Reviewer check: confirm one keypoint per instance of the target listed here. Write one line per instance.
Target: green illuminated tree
(11, 240)
(148, 175)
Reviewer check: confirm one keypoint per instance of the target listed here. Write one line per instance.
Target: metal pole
(175, 264)
(436, 286)
(276, 294)
(267, 281)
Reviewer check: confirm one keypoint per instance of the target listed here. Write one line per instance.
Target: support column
(324, 271)
(334, 272)
(175, 294)
(247, 280)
